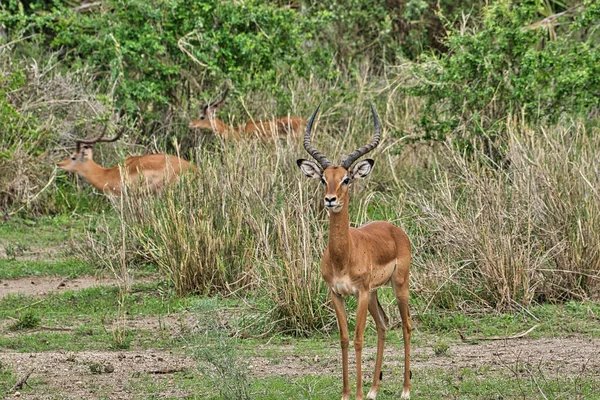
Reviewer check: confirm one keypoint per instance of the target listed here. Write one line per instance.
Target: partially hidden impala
(358, 261)
(152, 170)
(264, 130)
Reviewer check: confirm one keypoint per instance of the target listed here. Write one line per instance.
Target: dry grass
(483, 235)
(519, 233)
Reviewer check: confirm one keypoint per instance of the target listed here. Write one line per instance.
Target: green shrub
(147, 53)
(26, 320)
(511, 66)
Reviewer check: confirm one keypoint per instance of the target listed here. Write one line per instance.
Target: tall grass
(483, 235)
(522, 232)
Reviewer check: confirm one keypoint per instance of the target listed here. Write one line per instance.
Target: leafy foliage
(147, 50)
(512, 64)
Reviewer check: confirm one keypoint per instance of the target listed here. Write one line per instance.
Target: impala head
(337, 179)
(208, 113)
(83, 152)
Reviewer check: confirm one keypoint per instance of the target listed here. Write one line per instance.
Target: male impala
(264, 130)
(154, 170)
(357, 262)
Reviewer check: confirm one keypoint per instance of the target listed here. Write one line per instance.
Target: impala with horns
(264, 130)
(357, 261)
(152, 171)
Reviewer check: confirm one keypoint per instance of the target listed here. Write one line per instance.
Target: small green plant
(98, 368)
(441, 348)
(27, 320)
(14, 250)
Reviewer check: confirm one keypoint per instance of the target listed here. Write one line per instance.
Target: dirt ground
(571, 356)
(37, 286)
(89, 374)
(84, 375)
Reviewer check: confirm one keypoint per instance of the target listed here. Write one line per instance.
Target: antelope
(358, 261)
(264, 130)
(154, 169)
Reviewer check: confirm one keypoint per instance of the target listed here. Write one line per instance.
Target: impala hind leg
(401, 290)
(339, 305)
(381, 322)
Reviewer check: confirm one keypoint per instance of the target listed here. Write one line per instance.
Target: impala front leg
(359, 335)
(339, 306)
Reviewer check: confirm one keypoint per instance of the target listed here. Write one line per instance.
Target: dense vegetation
(489, 160)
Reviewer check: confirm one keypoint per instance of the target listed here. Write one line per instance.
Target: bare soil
(43, 285)
(93, 374)
(571, 356)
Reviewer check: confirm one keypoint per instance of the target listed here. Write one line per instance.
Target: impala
(264, 130)
(153, 169)
(357, 261)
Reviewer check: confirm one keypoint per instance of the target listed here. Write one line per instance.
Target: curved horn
(316, 154)
(99, 139)
(220, 99)
(361, 151)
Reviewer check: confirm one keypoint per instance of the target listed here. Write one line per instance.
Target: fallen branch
(56, 328)
(86, 6)
(29, 305)
(517, 336)
(166, 371)
(23, 381)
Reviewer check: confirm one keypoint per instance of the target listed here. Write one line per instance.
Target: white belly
(343, 287)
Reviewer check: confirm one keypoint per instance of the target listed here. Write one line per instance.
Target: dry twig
(517, 336)
(23, 381)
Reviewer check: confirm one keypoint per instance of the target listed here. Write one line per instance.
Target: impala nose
(330, 201)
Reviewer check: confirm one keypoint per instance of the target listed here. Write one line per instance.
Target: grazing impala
(154, 170)
(357, 262)
(264, 130)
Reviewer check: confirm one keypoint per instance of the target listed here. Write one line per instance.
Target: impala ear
(362, 169)
(85, 153)
(309, 168)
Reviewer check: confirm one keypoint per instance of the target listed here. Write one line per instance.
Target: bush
(148, 53)
(511, 65)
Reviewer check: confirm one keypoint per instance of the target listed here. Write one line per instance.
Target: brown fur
(154, 169)
(357, 262)
(263, 130)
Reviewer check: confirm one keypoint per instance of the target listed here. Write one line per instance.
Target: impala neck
(221, 128)
(339, 236)
(101, 178)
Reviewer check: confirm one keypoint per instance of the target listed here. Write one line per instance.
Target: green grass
(42, 231)
(432, 384)
(553, 320)
(87, 316)
(10, 269)
(38, 247)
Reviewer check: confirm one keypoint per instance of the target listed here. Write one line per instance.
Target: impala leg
(381, 325)
(402, 298)
(359, 335)
(339, 305)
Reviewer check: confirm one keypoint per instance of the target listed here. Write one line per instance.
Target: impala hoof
(372, 395)
(405, 394)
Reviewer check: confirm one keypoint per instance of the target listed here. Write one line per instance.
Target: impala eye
(202, 117)
(323, 181)
(345, 181)
(73, 158)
